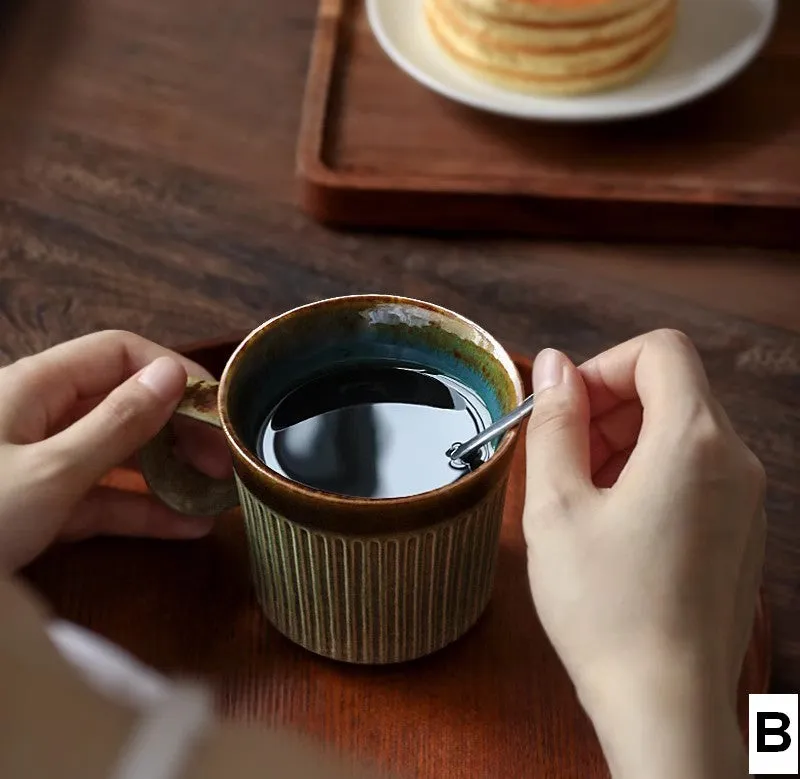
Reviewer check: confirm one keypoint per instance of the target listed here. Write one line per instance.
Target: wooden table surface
(157, 195)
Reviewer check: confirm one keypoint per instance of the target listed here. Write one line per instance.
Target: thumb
(121, 424)
(557, 446)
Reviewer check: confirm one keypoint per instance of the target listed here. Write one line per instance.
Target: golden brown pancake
(535, 37)
(555, 11)
(554, 59)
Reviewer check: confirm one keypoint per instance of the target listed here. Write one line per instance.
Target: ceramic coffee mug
(354, 579)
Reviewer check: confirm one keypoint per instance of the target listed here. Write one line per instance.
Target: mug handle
(179, 485)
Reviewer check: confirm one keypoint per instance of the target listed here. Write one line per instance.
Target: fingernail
(548, 370)
(164, 377)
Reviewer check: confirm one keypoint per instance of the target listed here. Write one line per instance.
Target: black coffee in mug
(373, 429)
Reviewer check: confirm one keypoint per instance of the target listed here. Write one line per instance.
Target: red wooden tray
(376, 149)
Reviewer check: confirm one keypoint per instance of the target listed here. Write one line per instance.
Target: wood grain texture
(158, 196)
(378, 149)
(495, 703)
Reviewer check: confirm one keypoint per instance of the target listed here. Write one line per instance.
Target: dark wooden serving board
(497, 703)
(378, 150)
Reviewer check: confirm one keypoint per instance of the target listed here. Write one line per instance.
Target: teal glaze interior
(311, 341)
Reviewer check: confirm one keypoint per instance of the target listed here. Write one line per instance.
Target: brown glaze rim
(364, 516)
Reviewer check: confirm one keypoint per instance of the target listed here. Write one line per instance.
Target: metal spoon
(459, 453)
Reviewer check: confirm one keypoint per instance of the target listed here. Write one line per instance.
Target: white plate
(715, 40)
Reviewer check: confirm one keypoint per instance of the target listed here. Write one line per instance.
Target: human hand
(71, 414)
(645, 528)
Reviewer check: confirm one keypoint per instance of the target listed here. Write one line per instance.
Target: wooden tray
(497, 703)
(378, 150)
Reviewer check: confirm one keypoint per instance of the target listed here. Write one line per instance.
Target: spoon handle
(494, 430)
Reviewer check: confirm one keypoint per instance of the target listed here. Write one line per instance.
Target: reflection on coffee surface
(373, 430)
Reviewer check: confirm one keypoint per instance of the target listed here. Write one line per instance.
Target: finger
(129, 417)
(558, 431)
(198, 444)
(106, 511)
(607, 476)
(662, 369)
(203, 447)
(613, 432)
(80, 409)
(71, 372)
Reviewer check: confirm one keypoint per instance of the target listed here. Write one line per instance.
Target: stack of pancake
(555, 47)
